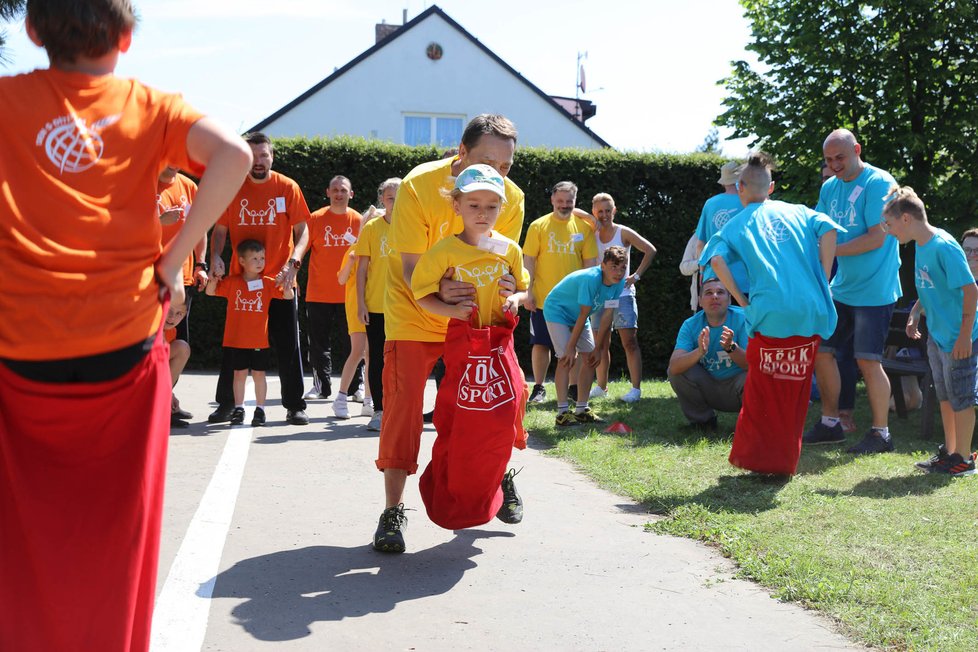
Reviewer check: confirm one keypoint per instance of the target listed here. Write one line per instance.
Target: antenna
(580, 86)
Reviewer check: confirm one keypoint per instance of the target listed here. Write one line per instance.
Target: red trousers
(479, 418)
(771, 421)
(81, 493)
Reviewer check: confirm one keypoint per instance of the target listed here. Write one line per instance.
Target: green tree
(9, 9)
(711, 144)
(901, 74)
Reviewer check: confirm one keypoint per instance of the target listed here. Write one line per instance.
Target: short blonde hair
(902, 200)
(603, 196)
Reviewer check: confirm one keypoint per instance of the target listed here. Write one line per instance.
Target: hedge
(659, 195)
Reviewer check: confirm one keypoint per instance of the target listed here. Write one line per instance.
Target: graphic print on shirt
(720, 361)
(481, 275)
(789, 363)
(71, 144)
(183, 204)
(485, 384)
(846, 216)
(344, 239)
(555, 246)
(242, 304)
(922, 278)
(258, 217)
(722, 216)
(385, 249)
(775, 230)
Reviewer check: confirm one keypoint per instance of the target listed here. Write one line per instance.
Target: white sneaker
(374, 423)
(597, 392)
(368, 407)
(632, 395)
(340, 408)
(358, 395)
(312, 394)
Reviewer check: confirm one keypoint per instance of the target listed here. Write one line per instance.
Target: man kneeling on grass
(567, 311)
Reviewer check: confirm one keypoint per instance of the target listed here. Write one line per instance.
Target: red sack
(479, 417)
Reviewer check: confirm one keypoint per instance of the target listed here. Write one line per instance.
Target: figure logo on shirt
(258, 217)
(775, 230)
(791, 363)
(846, 216)
(344, 239)
(162, 207)
(248, 305)
(385, 248)
(484, 385)
(555, 246)
(71, 144)
(922, 278)
(722, 216)
(480, 276)
(720, 361)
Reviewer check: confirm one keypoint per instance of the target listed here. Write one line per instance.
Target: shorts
(538, 329)
(866, 326)
(254, 359)
(560, 335)
(954, 380)
(626, 314)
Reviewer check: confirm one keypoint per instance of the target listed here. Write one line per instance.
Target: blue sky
(651, 66)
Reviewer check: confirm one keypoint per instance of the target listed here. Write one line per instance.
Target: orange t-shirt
(179, 194)
(330, 236)
(266, 212)
(79, 163)
(246, 325)
(169, 334)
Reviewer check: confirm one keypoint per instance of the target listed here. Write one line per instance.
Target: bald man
(865, 290)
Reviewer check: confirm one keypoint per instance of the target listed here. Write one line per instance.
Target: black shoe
(221, 414)
(934, 461)
(511, 511)
(823, 434)
(710, 425)
(259, 418)
(183, 414)
(177, 422)
(538, 394)
(572, 393)
(872, 442)
(429, 417)
(297, 417)
(237, 416)
(389, 536)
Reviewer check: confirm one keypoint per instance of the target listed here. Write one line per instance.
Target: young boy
(567, 310)
(84, 379)
(246, 326)
(179, 354)
(947, 293)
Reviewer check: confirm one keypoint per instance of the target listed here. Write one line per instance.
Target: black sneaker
(389, 536)
(823, 434)
(933, 461)
(511, 511)
(221, 414)
(259, 418)
(177, 422)
(954, 465)
(183, 414)
(297, 417)
(710, 425)
(538, 394)
(237, 416)
(572, 393)
(872, 442)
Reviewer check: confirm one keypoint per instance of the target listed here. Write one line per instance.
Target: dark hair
(69, 29)
(712, 280)
(341, 179)
(487, 124)
(247, 246)
(615, 255)
(258, 138)
(970, 233)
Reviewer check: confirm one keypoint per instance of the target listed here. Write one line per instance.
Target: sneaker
(367, 410)
(341, 409)
(177, 422)
(297, 417)
(183, 414)
(597, 392)
(710, 425)
(565, 419)
(587, 416)
(389, 537)
(872, 442)
(955, 466)
(258, 418)
(357, 396)
(237, 416)
(572, 393)
(632, 395)
(848, 424)
(221, 414)
(933, 461)
(511, 511)
(538, 394)
(374, 423)
(313, 394)
(823, 434)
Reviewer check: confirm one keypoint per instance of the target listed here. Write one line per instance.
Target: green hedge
(659, 195)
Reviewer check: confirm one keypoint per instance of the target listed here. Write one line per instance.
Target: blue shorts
(954, 380)
(538, 329)
(626, 314)
(867, 328)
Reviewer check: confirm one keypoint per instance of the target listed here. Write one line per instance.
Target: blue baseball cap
(480, 177)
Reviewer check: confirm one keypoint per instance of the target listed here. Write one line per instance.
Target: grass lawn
(887, 550)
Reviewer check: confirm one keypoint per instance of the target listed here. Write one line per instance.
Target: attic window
(434, 51)
(438, 130)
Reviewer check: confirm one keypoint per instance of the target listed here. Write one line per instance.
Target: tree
(9, 9)
(711, 144)
(901, 74)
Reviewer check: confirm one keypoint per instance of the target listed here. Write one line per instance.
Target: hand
(286, 277)
(704, 341)
(593, 358)
(362, 314)
(726, 338)
(912, 331)
(452, 291)
(630, 281)
(569, 359)
(171, 281)
(507, 284)
(217, 267)
(171, 216)
(962, 347)
(463, 310)
(200, 278)
(530, 303)
(511, 304)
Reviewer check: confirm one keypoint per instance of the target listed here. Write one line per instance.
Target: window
(441, 131)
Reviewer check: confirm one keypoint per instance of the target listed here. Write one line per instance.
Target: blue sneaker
(822, 434)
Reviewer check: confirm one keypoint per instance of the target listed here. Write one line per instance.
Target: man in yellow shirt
(556, 245)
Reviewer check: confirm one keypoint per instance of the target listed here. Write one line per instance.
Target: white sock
(581, 406)
(883, 432)
(830, 421)
(561, 408)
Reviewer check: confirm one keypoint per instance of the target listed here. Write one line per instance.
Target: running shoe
(565, 419)
(632, 395)
(538, 394)
(823, 434)
(597, 392)
(933, 461)
(587, 416)
(511, 511)
(389, 536)
(872, 442)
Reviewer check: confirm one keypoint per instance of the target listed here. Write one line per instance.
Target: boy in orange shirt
(179, 355)
(85, 387)
(246, 326)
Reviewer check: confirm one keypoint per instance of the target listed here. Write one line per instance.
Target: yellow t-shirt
(560, 247)
(422, 217)
(374, 242)
(472, 265)
(353, 324)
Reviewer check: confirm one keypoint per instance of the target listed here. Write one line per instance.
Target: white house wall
(371, 99)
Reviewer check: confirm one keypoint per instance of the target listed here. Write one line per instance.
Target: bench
(916, 366)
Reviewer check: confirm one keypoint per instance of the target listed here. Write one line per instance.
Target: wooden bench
(917, 367)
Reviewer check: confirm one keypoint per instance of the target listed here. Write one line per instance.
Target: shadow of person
(916, 484)
(285, 592)
(747, 493)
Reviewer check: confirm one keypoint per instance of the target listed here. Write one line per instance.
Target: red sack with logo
(479, 418)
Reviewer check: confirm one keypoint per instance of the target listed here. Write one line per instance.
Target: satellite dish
(582, 84)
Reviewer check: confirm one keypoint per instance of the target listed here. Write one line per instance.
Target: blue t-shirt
(778, 242)
(872, 278)
(716, 361)
(940, 272)
(717, 211)
(585, 287)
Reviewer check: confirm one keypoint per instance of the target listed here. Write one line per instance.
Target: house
(406, 89)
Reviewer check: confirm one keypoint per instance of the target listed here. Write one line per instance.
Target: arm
(719, 266)
(587, 217)
(732, 349)
(872, 239)
(913, 321)
(218, 238)
(343, 275)
(200, 254)
(699, 247)
(633, 239)
(530, 265)
(171, 216)
(682, 360)
(513, 301)
(436, 306)
(827, 251)
(288, 292)
(362, 263)
(300, 238)
(570, 356)
(601, 339)
(211, 288)
(962, 346)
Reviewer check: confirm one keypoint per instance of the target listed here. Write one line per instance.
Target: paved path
(266, 547)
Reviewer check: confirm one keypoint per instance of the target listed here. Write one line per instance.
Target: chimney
(382, 30)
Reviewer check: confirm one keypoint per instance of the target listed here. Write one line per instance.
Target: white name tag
(577, 237)
(493, 245)
(611, 303)
(255, 285)
(854, 195)
(280, 204)
(349, 237)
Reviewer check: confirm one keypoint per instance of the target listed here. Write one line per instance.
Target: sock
(883, 432)
(368, 401)
(341, 396)
(240, 406)
(561, 408)
(830, 421)
(581, 406)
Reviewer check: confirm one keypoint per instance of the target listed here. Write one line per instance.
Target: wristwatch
(203, 266)
(295, 263)
(733, 347)
(637, 276)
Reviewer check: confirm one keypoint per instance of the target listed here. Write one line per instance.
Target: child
(358, 341)
(948, 295)
(84, 383)
(179, 354)
(567, 311)
(246, 327)
(466, 483)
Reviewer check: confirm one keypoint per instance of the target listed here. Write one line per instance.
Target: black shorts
(538, 329)
(254, 359)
